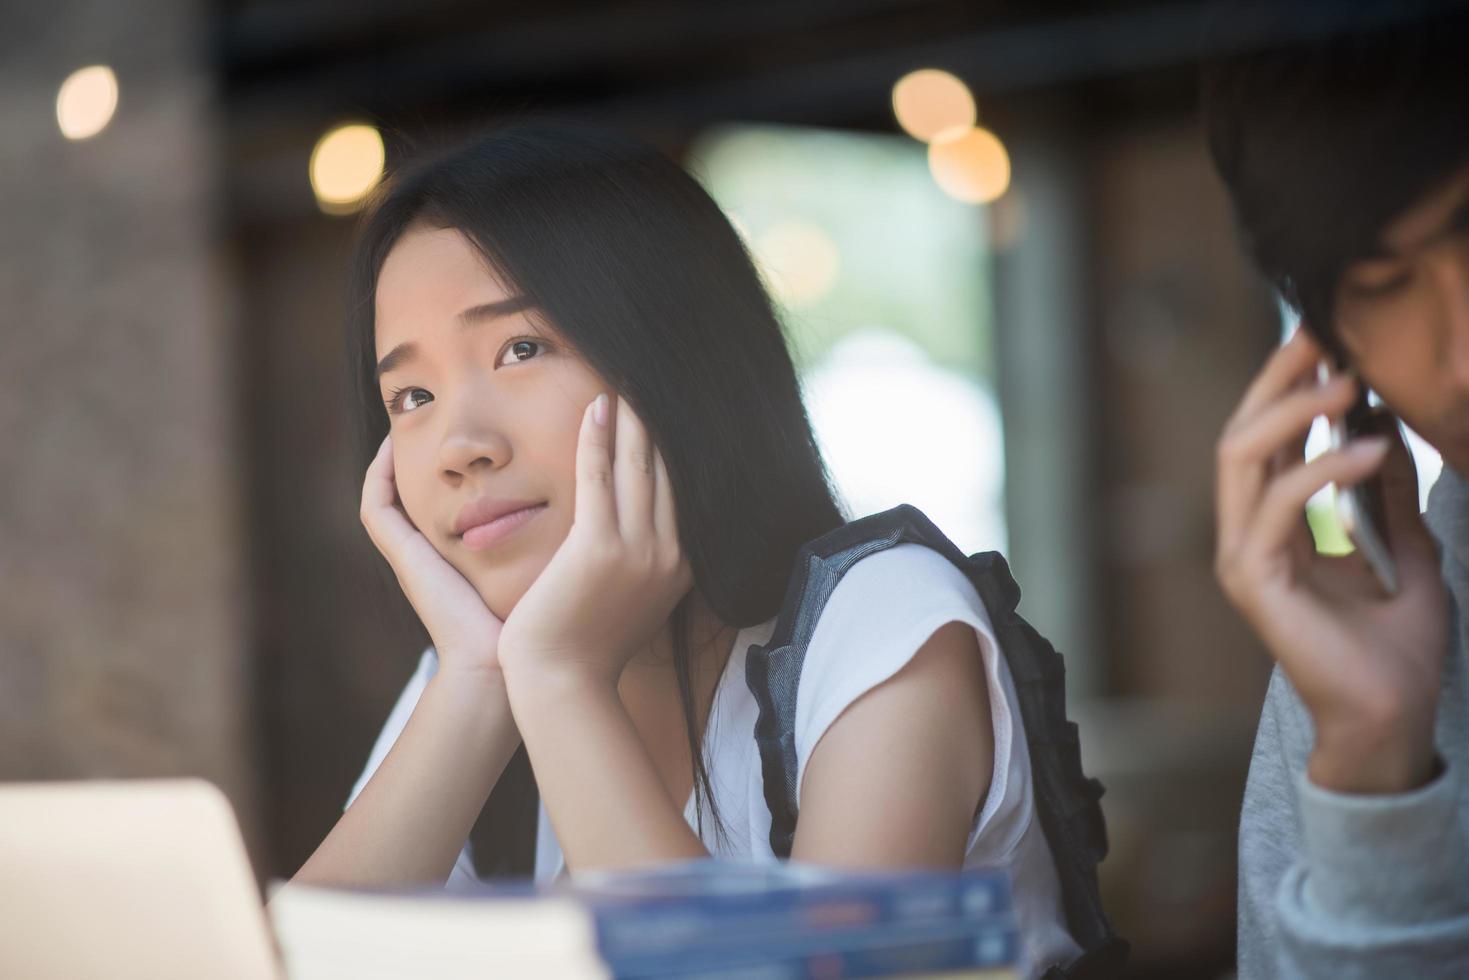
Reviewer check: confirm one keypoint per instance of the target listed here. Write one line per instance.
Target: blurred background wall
(125, 595)
(184, 585)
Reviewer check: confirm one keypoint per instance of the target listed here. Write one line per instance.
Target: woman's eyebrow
(395, 358)
(499, 308)
(408, 350)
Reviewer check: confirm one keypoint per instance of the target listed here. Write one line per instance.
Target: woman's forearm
(606, 801)
(411, 819)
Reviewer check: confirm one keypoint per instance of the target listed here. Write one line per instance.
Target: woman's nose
(474, 440)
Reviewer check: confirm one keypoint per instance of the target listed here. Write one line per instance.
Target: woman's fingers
(665, 522)
(378, 489)
(665, 513)
(633, 474)
(386, 524)
(623, 488)
(456, 617)
(594, 507)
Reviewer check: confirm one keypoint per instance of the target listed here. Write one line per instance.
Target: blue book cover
(710, 919)
(712, 903)
(881, 951)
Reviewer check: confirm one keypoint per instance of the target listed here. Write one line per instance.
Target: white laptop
(132, 879)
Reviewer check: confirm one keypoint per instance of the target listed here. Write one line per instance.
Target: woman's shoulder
(907, 582)
(881, 612)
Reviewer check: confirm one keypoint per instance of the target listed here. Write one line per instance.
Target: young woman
(593, 473)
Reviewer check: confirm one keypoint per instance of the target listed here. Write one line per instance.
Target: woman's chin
(501, 592)
(499, 584)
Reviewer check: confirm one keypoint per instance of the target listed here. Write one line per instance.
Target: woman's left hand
(616, 578)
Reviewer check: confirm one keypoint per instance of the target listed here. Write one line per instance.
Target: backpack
(1066, 799)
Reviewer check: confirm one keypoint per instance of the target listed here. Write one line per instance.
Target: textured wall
(1182, 324)
(122, 616)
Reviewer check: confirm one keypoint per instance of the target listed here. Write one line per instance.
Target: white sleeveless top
(880, 613)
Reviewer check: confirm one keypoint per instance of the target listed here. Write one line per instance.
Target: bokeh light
(972, 167)
(799, 260)
(930, 103)
(86, 102)
(346, 165)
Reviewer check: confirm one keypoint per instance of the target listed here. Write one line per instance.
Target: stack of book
(706, 919)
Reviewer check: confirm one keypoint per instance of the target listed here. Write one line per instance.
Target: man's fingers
(1293, 359)
(1287, 421)
(1278, 519)
(1287, 458)
(1400, 490)
(1293, 451)
(1241, 475)
(1272, 441)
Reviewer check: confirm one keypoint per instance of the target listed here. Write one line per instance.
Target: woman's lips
(482, 536)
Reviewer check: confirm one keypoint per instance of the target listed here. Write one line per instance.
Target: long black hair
(631, 261)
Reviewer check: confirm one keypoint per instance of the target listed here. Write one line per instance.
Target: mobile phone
(1360, 507)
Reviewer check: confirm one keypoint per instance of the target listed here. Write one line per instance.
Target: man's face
(1403, 318)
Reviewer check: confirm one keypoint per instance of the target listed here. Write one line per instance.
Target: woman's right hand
(465, 633)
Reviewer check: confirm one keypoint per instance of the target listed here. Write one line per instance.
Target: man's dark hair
(1331, 126)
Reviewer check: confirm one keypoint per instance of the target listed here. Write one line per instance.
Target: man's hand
(1367, 666)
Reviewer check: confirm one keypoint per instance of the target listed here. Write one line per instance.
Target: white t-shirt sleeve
(882, 611)
(428, 665)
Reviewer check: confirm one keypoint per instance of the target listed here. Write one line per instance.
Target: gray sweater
(1339, 886)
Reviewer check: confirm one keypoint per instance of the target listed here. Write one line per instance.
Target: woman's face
(484, 404)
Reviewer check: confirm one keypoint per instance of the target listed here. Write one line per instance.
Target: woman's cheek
(413, 497)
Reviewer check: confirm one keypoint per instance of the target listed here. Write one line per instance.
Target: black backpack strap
(773, 670)
(1067, 802)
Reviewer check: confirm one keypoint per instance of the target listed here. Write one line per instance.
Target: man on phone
(1347, 158)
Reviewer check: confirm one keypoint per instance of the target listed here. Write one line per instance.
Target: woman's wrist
(578, 668)
(531, 680)
(469, 695)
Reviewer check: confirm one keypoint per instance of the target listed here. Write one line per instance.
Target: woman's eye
(407, 399)
(521, 350)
